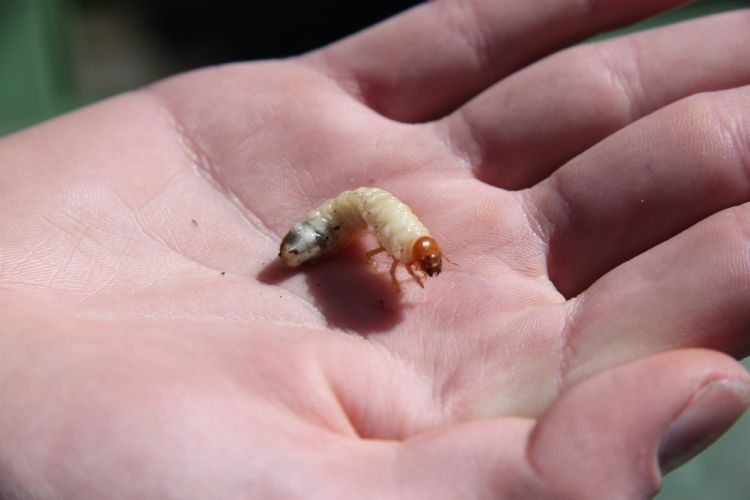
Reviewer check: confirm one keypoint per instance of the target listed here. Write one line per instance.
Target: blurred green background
(56, 55)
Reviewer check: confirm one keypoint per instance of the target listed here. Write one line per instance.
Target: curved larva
(340, 220)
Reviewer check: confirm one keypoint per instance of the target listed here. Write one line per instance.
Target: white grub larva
(340, 220)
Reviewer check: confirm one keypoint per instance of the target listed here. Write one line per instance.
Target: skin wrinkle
(535, 227)
(462, 18)
(730, 127)
(708, 114)
(78, 239)
(442, 385)
(625, 75)
(409, 169)
(427, 378)
(472, 155)
(192, 151)
(29, 255)
(158, 191)
(329, 415)
(727, 129)
(320, 62)
(635, 85)
(536, 470)
(566, 348)
(444, 132)
(740, 216)
(344, 412)
(196, 156)
(544, 219)
(744, 146)
(187, 142)
(736, 213)
(90, 235)
(116, 270)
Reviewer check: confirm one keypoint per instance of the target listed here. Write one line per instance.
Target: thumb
(614, 434)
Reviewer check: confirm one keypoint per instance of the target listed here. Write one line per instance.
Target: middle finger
(525, 127)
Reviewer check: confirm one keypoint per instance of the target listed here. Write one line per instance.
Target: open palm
(155, 347)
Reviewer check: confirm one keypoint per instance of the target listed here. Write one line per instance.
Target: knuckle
(465, 22)
(730, 234)
(591, 70)
(714, 125)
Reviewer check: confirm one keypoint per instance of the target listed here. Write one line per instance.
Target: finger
(429, 60)
(607, 436)
(644, 185)
(484, 459)
(691, 291)
(616, 426)
(528, 125)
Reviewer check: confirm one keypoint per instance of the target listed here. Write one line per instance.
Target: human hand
(154, 347)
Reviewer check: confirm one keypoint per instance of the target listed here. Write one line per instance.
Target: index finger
(426, 62)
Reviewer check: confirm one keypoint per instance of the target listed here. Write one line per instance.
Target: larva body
(340, 220)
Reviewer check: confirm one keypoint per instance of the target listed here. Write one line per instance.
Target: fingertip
(711, 411)
(628, 425)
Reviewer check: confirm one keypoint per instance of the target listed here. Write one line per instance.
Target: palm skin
(163, 351)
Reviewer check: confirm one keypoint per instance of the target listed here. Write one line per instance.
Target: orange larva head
(426, 252)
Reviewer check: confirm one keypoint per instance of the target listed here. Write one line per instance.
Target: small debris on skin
(194, 222)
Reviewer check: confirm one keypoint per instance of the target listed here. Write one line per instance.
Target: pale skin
(596, 203)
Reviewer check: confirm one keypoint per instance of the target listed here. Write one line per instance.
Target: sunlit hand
(153, 346)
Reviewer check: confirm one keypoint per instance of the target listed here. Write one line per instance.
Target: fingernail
(713, 409)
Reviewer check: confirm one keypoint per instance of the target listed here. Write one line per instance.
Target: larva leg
(371, 254)
(414, 275)
(393, 276)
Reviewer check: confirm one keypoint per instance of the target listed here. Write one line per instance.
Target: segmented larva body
(340, 220)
